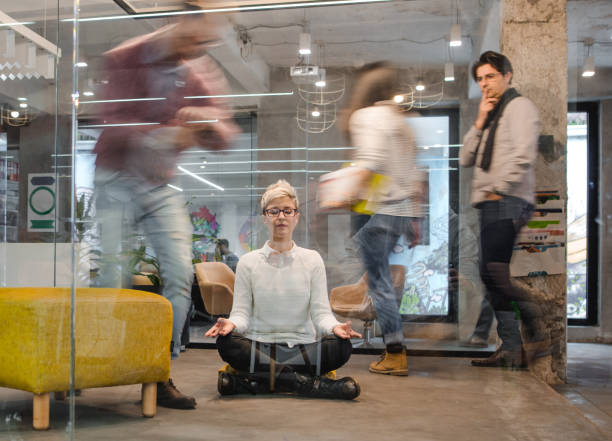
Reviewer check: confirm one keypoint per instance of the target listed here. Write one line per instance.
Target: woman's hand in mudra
(345, 331)
(222, 327)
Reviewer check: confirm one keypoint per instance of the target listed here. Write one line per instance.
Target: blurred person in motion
(479, 338)
(468, 279)
(147, 123)
(502, 146)
(281, 316)
(385, 145)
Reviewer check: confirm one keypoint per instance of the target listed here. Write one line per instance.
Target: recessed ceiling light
(15, 114)
(316, 113)
(199, 178)
(175, 187)
(23, 105)
(21, 98)
(420, 87)
(88, 93)
(398, 98)
(81, 64)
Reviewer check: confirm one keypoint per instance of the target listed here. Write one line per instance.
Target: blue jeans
(376, 241)
(122, 201)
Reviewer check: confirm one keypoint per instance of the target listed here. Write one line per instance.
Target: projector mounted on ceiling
(304, 73)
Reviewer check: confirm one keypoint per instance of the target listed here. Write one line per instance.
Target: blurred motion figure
(385, 145)
(148, 122)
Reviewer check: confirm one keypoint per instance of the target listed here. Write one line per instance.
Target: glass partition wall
(35, 211)
(289, 75)
(286, 73)
(288, 104)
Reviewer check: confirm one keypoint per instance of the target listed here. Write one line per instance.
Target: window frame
(453, 176)
(591, 108)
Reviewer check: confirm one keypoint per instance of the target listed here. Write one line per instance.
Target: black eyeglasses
(273, 212)
(488, 77)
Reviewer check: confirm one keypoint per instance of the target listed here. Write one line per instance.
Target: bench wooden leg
(40, 420)
(149, 399)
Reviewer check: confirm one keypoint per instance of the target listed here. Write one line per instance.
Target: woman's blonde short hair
(279, 189)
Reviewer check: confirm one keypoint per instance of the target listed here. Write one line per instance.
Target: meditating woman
(281, 334)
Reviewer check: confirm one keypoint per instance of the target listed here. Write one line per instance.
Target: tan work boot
(391, 364)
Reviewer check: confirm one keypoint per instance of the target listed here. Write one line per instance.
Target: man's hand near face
(487, 103)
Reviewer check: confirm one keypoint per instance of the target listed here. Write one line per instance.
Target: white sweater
(282, 297)
(386, 145)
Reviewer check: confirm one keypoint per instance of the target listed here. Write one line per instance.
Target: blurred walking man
(148, 121)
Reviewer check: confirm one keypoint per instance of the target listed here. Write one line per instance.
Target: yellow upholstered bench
(122, 336)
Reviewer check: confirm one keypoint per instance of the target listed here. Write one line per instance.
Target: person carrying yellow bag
(391, 187)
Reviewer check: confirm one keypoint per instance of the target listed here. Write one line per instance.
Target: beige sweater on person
(512, 170)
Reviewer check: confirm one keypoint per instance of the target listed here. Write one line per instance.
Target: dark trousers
(329, 354)
(500, 222)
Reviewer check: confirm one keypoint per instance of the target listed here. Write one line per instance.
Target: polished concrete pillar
(534, 37)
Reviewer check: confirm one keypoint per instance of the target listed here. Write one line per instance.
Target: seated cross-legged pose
(281, 334)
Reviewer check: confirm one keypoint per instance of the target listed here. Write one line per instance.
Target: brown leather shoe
(503, 359)
(169, 396)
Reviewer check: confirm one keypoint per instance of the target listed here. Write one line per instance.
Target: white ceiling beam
(26, 32)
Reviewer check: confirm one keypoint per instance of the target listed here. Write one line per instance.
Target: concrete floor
(589, 382)
(443, 399)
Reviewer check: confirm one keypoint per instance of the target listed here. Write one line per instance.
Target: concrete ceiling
(411, 33)
(408, 32)
(589, 19)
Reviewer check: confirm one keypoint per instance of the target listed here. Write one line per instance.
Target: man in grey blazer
(502, 146)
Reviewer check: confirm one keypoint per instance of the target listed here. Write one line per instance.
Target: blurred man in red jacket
(148, 119)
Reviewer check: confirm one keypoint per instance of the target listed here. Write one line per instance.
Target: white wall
(38, 264)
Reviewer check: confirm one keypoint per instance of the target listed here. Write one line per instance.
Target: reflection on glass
(426, 287)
